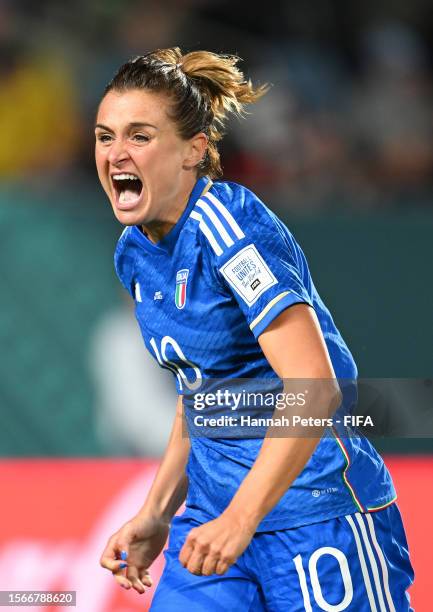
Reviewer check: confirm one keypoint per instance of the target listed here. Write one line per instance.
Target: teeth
(125, 177)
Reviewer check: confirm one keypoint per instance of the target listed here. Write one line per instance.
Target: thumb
(114, 557)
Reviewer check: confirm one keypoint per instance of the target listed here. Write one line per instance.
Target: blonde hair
(204, 88)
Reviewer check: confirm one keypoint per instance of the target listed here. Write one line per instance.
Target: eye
(104, 138)
(140, 138)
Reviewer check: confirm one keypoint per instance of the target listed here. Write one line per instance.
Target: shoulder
(231, 215)
(124, 237)
(251, 213)
(124, 257)
(239, 200)
(124, 241)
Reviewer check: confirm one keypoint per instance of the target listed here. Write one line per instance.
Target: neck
(157, 229)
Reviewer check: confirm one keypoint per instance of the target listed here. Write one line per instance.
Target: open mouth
(128, 188)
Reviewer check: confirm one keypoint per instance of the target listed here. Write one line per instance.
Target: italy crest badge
(181, 283)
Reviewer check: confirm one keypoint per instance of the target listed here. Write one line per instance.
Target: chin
(128, 217)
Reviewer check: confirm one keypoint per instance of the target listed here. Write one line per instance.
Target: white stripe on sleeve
(217, 223)
(207, 232)
(226, 214)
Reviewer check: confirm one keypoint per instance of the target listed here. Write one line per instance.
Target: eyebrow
(134, 124)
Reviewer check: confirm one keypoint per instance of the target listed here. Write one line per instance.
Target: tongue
(128, 195)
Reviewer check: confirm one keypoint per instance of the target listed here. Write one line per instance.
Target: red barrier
(413, 479)
(58, 514)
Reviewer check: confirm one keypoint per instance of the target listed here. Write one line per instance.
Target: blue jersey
(203, 296)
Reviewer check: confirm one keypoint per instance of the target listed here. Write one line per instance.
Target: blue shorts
(358, 562)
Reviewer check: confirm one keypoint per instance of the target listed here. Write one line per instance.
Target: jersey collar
(166, 243)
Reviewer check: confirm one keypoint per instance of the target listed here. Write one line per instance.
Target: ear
(195, 150)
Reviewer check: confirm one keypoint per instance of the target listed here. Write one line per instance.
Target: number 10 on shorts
(314, 579)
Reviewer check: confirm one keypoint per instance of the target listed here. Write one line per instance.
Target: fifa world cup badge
(181, 282)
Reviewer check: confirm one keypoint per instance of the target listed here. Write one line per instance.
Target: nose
(118, 153)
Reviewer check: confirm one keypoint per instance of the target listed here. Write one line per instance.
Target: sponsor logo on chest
(181, 285)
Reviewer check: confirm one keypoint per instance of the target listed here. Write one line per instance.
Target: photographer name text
(293, 421)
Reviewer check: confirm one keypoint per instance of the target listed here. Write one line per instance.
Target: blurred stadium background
(341, 148)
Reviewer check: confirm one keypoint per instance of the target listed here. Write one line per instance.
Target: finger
(221, 567)
(146, 578)
(113, 565)
(110, 548)
(134, 579)
(186, 552)
(209, 565)
(195, 563)
(114, 551)
(121, 576)
(123, 581)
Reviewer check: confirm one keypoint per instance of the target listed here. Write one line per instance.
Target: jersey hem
(382, 506)
(283, 523)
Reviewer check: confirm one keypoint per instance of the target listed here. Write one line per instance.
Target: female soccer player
(223, 291)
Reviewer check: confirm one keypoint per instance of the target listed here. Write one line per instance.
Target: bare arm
(295, 348)
(132, 549)
(169, 488)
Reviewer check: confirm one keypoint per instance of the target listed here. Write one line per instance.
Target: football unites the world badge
(181, 283)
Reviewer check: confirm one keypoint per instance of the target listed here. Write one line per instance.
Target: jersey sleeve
(261, 265)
